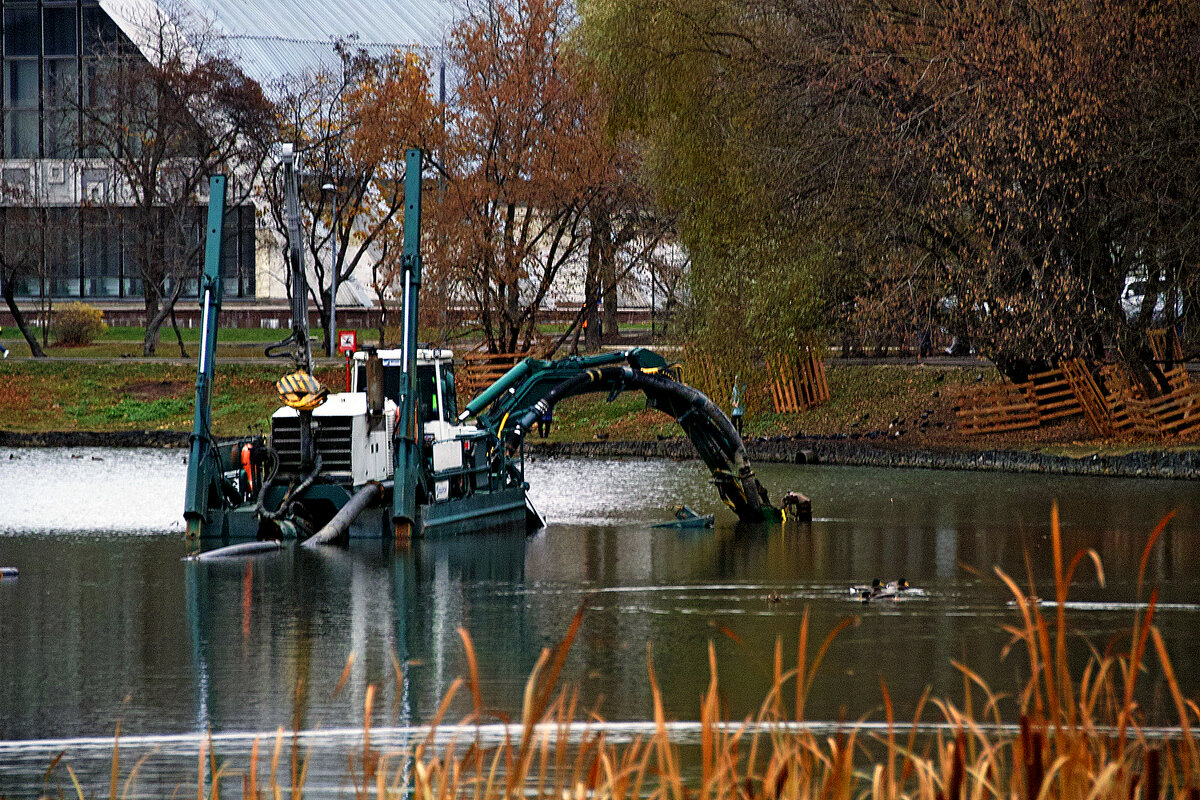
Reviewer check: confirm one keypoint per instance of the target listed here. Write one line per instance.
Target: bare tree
(23, 232)
(352, 124)
(166, 112)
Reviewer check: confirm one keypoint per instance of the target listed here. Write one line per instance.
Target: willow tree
(688, 78)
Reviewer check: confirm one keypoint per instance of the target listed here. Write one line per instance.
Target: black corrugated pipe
(233, 550)
(715, 438)
(337, 527)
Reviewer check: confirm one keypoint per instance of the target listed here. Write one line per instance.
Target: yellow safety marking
(500, 432)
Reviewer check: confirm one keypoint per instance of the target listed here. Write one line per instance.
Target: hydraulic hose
(292, 493)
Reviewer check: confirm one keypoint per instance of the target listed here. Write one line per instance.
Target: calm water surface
(106, 624)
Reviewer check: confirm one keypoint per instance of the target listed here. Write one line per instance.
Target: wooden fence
(1003, 407)
(477, 371)
(1114, 405)
(1165, 345)
(797, 383)
(792, 383)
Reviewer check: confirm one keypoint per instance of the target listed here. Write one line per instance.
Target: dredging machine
(394, 455)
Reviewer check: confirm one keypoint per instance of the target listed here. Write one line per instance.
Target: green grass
(63, 396)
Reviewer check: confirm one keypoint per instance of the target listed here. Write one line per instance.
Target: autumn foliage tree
(1037, 148)
(521, 168)
(351, 125)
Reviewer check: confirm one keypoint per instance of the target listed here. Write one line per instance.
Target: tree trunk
(323, 308)
(602, 228)
(19, 318)
(154, 319)
(591, 285)
(178, 336)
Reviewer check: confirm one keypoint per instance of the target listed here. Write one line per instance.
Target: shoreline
(1159, 464)
(1175, 465)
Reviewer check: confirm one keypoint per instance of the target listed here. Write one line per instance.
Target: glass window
(21, 84)
(449, 393)
(22, 244)
(427, 407)
(99, 32)
(61, 87)
(21, 134)
(21, 34)
(58, 31)
(99, 253)
(60, 134)
(62, 251)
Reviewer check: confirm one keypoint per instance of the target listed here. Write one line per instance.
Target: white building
(48, 47)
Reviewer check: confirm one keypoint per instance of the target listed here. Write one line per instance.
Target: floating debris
(687, 518)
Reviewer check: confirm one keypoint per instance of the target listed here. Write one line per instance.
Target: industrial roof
(276, 39)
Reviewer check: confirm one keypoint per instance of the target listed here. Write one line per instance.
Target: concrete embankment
(807, 450)
(844, 452)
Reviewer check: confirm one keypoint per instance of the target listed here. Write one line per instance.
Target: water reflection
(101, 628)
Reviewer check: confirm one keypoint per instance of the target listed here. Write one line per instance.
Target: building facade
(55, 203)
(55, 192)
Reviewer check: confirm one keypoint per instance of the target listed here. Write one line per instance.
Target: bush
(77, 324)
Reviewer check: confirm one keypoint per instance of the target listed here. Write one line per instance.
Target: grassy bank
(900, 405)
(70, 396)
(113, 396)
(918, 399)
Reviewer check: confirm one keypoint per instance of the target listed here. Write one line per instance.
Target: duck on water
(878, 590)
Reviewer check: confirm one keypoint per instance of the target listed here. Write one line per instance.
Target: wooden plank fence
(1165, 345)
(797, 383)
(793, 383)
(1114, 405)
(1054, 395)
(477, 371)
(1088, 395)
(1003, 407)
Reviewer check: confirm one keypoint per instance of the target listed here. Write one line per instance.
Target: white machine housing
(442, 433)
(350, 444)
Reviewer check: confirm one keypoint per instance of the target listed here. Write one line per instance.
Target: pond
(106, 624)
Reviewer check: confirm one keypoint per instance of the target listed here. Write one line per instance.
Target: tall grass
(1076, 736)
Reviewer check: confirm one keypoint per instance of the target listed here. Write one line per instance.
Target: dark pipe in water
(243, 549)
(341, 521)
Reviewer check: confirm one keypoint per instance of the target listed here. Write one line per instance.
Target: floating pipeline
(1180, 465)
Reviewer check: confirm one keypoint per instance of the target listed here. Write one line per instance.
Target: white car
(1133, 295)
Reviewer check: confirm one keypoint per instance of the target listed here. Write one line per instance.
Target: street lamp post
(331, 334)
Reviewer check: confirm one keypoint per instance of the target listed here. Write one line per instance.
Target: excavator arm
(512, 405)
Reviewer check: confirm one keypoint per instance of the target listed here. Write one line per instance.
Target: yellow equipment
(301, 391)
